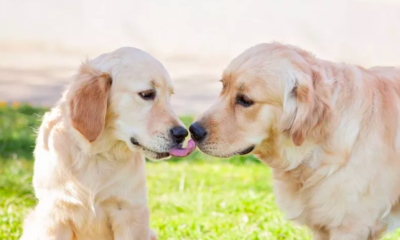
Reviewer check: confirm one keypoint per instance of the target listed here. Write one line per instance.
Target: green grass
(215, 201)
(196, 198)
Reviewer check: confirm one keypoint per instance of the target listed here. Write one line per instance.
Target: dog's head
(128, 93)
(269, 90)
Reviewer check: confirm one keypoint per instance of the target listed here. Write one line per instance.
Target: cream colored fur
(330, 132)
(90, 180)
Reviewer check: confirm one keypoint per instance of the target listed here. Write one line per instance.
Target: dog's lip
(158, 154)
(247, 150)
(135, 142)
(162, 155)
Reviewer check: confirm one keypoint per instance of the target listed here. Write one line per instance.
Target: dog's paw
(153, 235)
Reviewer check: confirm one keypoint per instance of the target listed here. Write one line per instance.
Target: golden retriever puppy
(330, 132)
(89, 174)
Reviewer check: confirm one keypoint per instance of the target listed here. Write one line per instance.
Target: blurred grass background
(198, 197)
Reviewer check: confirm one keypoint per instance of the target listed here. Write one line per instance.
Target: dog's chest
(102, 177)
(102, 183)
(352, 193)
(92, 224)
(96, 172)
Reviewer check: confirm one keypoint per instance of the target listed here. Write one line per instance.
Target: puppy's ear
(306, 106)
(88, 101)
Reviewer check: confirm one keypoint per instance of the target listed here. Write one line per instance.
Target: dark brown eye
(244, 101)
(148, 95)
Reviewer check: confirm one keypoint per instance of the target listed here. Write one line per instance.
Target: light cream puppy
(89, 174)
(330, 132)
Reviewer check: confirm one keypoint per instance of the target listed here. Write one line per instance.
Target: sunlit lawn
(199, 198)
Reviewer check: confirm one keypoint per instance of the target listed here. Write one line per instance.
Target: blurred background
(43, 41)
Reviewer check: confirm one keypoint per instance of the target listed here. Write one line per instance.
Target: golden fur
(89, 178)
(330, 132)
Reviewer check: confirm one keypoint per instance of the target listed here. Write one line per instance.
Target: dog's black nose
(179, 134)
(197, 131)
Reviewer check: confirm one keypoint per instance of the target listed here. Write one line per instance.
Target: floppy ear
(88, 101)
(305, 107)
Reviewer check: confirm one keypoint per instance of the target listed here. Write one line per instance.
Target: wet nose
(179, 134)
(197, 131)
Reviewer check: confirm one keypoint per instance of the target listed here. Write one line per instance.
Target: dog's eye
(244, 101)
(148, 95)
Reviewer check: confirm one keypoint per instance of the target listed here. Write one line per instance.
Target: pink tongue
(183, 152)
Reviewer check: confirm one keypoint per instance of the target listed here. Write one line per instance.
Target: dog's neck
(297, 164)
(279, 152)
(106, 145)
(306, 164)
(321, 155)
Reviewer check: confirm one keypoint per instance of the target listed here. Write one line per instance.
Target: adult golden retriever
(89, 174)
(330, 132)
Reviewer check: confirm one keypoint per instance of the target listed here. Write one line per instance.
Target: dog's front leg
(40, 226)
(131, 222)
